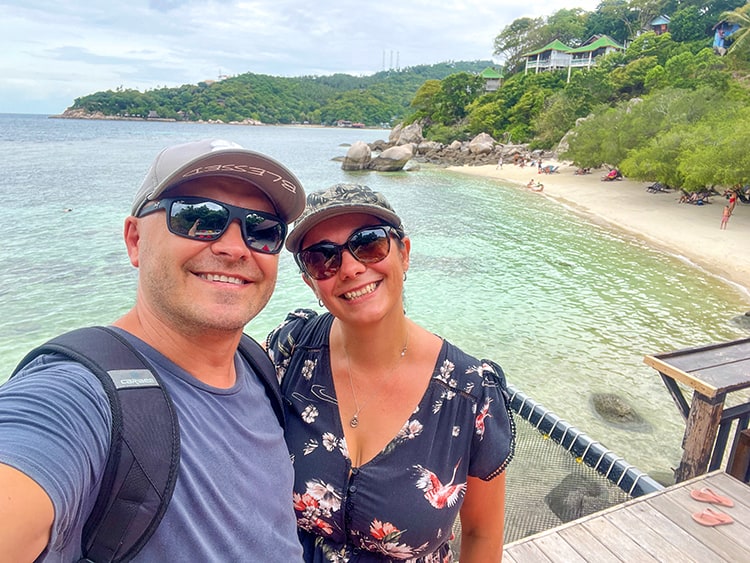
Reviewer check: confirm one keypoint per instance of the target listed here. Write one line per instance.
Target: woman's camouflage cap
(341, 199)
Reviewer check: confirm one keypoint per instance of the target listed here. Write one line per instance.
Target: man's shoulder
(56, 369)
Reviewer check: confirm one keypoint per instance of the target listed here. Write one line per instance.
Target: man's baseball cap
(216, 157)
(341, 199)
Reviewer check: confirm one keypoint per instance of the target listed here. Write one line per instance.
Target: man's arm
(26, 515)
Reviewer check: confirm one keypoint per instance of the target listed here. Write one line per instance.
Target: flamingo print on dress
(483, 413)
(437, 494)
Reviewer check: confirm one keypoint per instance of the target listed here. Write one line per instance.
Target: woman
(392, 430)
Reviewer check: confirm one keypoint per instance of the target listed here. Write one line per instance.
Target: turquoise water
(567, 307)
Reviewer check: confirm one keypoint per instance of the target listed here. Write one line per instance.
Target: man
(197, 289)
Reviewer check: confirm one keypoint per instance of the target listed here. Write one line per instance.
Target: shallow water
(567, 307)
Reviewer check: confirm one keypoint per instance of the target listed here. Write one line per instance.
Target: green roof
(490, 72)
(556, 45)
(600, 43)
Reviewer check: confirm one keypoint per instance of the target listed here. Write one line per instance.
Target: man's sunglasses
(204, 219)
(367, 245)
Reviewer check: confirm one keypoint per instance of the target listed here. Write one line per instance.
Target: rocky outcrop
(392, 159)
(411, 134)
(83, 114)
(358, 157)
(481, 150)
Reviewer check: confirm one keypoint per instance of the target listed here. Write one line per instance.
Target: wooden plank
(557, 549)
(708, 355)
(725, 541)
(727, 377)
(655, 527)
(724, 366)
(725, 484)
(587, 545)
(617, 541)
(681, 376)
(526, 552)
(659, 536)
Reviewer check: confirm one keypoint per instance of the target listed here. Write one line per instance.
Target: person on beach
(535, 186)
(732, 200)
(726, 214)
(393, 431)
(194, 296)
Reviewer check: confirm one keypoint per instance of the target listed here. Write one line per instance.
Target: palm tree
(740, 16)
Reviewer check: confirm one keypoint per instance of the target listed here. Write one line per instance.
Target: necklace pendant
(354, 422)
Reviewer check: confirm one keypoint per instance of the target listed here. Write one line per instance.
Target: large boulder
(482, 144)
(395, 133)
(358, 157)
(412, 133)
(392, 159)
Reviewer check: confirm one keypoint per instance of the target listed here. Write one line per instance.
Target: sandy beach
(686, 230)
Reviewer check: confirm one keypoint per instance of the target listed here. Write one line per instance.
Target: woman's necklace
(354, 420)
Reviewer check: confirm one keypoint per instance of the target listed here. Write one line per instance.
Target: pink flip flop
(711, 517)
(708, 495)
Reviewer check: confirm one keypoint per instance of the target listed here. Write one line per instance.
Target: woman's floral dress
(401, 505)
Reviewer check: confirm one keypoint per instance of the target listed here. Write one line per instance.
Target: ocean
(568, 307)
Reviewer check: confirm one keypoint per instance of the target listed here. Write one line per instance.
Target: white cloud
(55, 51)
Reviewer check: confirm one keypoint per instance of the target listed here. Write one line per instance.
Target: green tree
(715, 151)
(657, 161)
(569, 26)
(629, 81)
(593, 142)
(457, 91)
(521, 36)
(687, 24)
(740, 46)
(489, 117)
(651, 45)
(424, 103)
(613, 18)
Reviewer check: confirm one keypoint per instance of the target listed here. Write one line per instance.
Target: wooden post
(700, 435)
(741, 464)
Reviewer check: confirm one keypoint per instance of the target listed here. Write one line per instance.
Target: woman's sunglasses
(367, 245)
(204, 219)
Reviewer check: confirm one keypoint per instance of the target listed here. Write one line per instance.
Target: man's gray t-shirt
(232, 500)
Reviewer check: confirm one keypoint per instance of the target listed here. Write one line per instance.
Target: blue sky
(54, 51)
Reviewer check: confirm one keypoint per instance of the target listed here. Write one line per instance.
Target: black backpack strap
(144, 453)
(261, 363)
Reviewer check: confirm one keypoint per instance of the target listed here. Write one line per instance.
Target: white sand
(690, 231)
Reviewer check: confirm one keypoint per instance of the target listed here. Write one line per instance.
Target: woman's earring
(320, 303)
(404, 276)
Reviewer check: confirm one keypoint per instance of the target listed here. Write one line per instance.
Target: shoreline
(690, 232)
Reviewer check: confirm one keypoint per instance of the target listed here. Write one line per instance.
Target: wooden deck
(712, 372)
(654, 527)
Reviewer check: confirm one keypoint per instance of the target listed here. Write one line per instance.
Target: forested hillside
(383, 97)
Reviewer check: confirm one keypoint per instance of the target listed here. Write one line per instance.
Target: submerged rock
(616, 410)
(577, 496)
